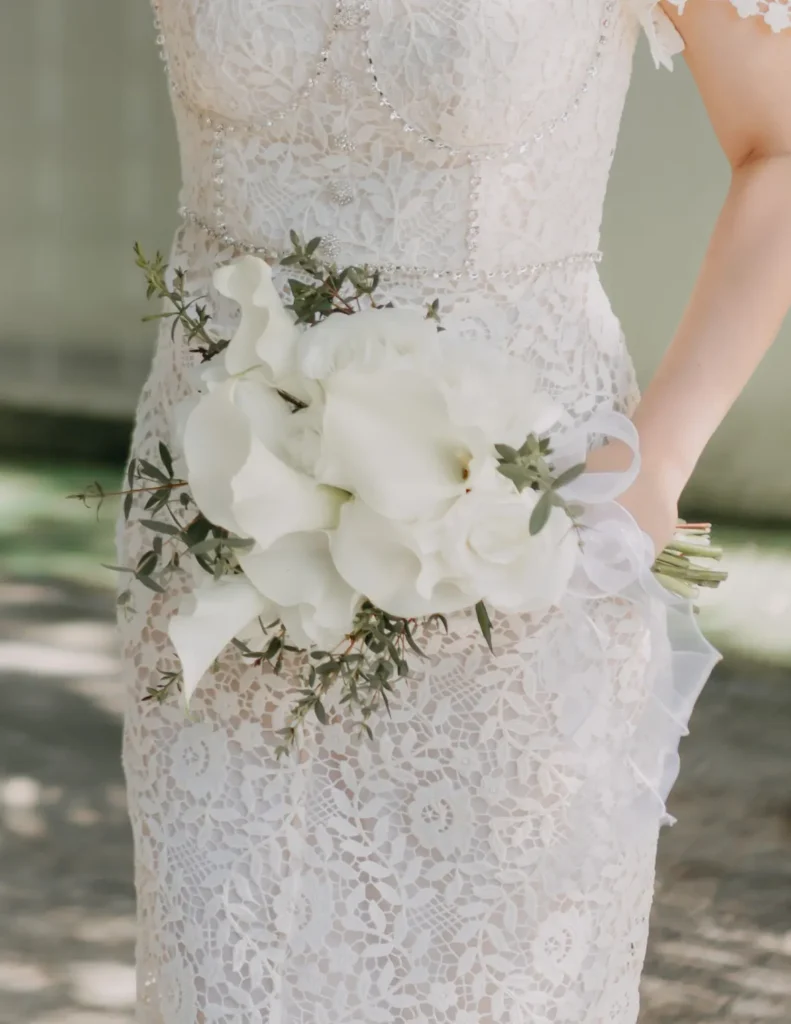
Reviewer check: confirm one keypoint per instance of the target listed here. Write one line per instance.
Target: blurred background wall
(89, 165)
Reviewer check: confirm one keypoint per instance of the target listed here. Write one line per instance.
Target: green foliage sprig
(530, 466)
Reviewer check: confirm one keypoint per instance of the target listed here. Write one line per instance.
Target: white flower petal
(384, 561)
(216, 445)
(209, 618)
(298, 574)
(387, 438)
(367, 340)
(266, 333)
(486, 542)
(270, 499)
(268, 415)
(494, 393)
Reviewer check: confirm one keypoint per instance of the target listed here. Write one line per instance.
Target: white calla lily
(367, 340)
(293, 435)
(239, 441)
(271, 499)
(208, 619)
(216, 444)
(267, 332)
(268, 415)
(297, 573)
(395, 565)
(387, 438)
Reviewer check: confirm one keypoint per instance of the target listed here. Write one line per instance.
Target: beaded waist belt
(330, 250)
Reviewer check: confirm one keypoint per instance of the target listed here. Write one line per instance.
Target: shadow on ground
(721, 940)
(66, 894)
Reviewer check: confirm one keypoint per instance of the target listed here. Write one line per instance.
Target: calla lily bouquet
(348, 475)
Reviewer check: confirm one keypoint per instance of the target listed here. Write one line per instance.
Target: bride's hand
(653, 497)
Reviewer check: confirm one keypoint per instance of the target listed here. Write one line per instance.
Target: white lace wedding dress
(489, 858)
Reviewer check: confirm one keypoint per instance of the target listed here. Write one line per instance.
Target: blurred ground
(721, 939)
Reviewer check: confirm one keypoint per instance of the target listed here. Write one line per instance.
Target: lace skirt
(489, 857)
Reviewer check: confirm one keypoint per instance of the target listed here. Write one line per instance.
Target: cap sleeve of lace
(662, 35)
(664, 40)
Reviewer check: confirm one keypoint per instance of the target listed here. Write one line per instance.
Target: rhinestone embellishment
(331, 250)
(351, 13)
(489, 152)
(341, 142)
(342, 84)
(341, 7)
(341, 192)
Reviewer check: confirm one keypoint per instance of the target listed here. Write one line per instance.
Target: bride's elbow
(764, 174)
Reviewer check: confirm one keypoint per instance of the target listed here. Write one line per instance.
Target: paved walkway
(721, 946)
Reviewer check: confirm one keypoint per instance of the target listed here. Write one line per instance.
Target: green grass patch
(43, 533)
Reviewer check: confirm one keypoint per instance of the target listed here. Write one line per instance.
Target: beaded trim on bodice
(493, 208)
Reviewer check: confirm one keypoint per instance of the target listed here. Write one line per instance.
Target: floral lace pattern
(489, 858)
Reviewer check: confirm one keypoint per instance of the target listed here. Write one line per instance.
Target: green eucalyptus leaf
(167, 460)
(273, 647)
(151, 471)
(147, 581)
(170, 529)
(482, 613)
(197, 530)
(569, 476)
(147, 563)
(540, 515)
(516, 474)
(531, 446)
(505, 451)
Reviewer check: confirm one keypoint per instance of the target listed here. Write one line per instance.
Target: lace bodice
(455, 136)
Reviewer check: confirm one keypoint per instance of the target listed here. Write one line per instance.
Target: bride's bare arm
(743, 71)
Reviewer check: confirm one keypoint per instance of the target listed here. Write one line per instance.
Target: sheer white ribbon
(616, 559)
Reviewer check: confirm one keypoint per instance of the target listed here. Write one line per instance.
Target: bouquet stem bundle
(681, 565)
